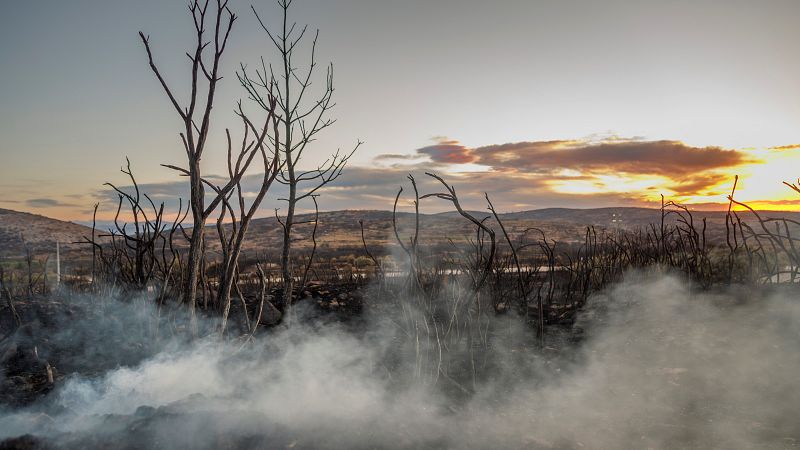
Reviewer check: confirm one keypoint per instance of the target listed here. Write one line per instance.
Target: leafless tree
(302, 120)
(212, 23)
(780, 238)
(483, 262)
(147, 229)
(410, 249)
(232, 244)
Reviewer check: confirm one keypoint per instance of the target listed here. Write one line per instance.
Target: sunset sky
(539, 103)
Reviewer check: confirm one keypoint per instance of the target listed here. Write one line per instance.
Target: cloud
(395, 156)
(775, 203)
(449, 152)
(47, 203)
(376, 187)
(786, 147)
(517, 176)
(601, 163)
(701, 184)
(671, 159)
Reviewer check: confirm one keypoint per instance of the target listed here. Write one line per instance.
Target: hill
(339, 232)
(40, 233)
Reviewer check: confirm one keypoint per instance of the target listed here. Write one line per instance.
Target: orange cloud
(786, 147)
(448, 152)
(670, 159)
(668, 166)
(699, 185)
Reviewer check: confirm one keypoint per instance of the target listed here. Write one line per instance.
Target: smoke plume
(650, 363)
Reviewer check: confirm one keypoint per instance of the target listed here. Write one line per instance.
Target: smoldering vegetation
(659, 364)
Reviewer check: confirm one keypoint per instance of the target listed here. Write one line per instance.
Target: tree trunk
(286, 269)
(229, 277)
(196, 242)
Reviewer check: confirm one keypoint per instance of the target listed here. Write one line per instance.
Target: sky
(537, 103)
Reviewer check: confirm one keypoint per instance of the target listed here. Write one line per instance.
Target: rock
(144, 411)
(271, 315)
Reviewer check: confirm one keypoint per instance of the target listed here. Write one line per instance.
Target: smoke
(658, 365)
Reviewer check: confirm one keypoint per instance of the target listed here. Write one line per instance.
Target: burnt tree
(301, 119)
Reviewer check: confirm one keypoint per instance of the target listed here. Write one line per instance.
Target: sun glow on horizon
(760, 183)
(513, 185)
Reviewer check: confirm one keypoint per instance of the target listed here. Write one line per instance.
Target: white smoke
(661, 366)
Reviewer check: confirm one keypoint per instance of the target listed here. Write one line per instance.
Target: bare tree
(147, 229)
(483, 263)
(232, 244)
(196, 118)
(780, 238)
(302, 120)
